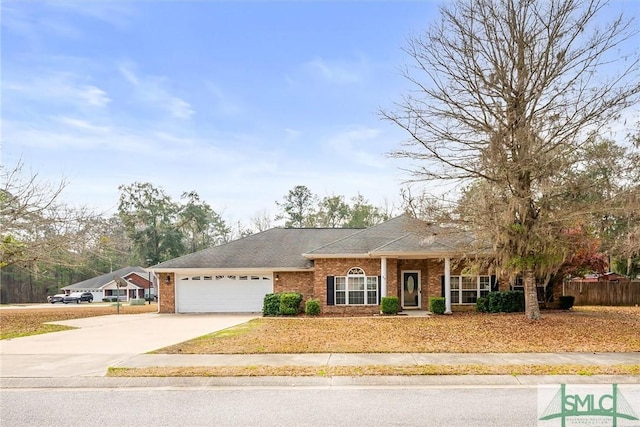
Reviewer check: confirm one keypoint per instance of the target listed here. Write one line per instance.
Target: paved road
(103, 341)
(407, 406)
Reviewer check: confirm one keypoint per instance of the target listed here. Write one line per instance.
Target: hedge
(290, 303)
(312, 307)
(437, 305)
(281, 304)
(501, 302)
(566, 301)
(389, 305)
(271, 305)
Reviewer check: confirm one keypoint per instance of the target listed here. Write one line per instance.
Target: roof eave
(326, 256)
(203, 270)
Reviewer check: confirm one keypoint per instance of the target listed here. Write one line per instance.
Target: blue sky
(239, 101)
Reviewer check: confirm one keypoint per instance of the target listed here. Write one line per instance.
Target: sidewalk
(395, 359)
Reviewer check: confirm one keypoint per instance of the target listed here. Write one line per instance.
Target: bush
(389, 305)
(437, 305)
(566, 302)
(504, 302)
(482, 305)
(271, 305)
(290, 303)
(312, 307)
(110, 299)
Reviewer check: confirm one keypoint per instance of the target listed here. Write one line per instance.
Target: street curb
(313, 382)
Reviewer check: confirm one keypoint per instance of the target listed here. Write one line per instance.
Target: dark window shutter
(442, 284)
(330, 290)
(379, 289)
(494, 283)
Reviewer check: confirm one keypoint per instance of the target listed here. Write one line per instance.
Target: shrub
(482, 305)
(312, 307)
(505, 302)
(271, 305)
(290, 303)
(389, 305)
(437, 305)
(566, 302)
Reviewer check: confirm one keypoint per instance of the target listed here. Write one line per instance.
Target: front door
(410, 289)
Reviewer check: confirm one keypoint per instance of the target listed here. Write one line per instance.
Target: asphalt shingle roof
(402, 234)
(274, 248)
(281, 248)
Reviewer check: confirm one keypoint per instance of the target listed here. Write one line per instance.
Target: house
(605, 277)
(347, 270)
(140, 283)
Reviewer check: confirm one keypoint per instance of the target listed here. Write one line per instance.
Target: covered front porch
(414, 280)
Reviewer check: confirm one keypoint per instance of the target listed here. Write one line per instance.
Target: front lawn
(20, 322)
(583, 329)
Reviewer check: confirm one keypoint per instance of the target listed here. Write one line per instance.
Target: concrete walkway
(395, 359)
(103, 341)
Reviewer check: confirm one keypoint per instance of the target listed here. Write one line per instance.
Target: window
(467, 289)
(356, 288)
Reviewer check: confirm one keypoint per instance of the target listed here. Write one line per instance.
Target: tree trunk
(531, 309)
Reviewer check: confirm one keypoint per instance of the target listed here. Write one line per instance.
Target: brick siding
(167, 292)
(301, 282)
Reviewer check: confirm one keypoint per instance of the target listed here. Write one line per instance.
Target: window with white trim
(467, 289)
(356, 288)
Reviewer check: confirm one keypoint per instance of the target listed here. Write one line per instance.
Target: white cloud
(223, 103)
(94, 96)
(63, 88)
(128, 74)
(115, 13)
(81, 124)
(355, 145)
(335, 72)
(180, 108)
(151, 91)
(292, 134)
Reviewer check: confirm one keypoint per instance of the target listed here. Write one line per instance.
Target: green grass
(42, 329)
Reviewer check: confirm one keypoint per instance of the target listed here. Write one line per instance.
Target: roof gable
(400, 235)
(275, 248)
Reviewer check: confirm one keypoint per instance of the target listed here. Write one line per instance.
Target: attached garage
(230, 293)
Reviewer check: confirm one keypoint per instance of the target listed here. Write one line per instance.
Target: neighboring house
(138, 284)
(605, 277)
(348, 270)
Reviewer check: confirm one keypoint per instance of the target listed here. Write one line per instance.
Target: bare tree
(39, 234)
(509, 94)
(261, 221)
(34, 223)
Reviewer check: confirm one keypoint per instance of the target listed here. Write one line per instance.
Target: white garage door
(231, 293)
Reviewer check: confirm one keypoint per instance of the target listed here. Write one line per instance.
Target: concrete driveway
(104, 341)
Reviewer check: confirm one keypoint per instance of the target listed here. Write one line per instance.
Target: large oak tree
(509, 95)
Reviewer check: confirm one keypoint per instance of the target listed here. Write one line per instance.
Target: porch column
(447, 285)
(383, 276)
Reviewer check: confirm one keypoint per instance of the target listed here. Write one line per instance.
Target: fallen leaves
(369, 370)
(21, 322)
(584, 329)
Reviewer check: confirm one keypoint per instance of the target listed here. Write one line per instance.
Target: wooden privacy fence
(623, 292)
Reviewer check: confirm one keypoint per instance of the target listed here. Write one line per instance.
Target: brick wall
(340, 267)
(301, 282)
(167, 293)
